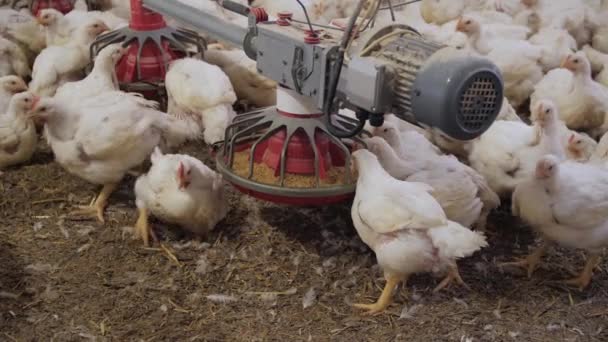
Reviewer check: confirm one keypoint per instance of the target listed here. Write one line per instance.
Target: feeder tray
(151, 45)
(287, 159)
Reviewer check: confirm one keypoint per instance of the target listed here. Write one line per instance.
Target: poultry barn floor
(68, 280)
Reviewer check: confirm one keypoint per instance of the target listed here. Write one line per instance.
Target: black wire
(335, 78)
(312, 31)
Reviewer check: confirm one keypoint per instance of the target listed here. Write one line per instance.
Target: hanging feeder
(151, 46)
(285, 154)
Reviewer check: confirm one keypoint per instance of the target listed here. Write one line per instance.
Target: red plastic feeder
(63, 6)
(284, 134)
(151, 46)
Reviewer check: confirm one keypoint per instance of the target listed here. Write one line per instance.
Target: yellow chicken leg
(385, 298)
(453, 275)
(530, 262)
(98, 205)
(583, 280)
(142, 227)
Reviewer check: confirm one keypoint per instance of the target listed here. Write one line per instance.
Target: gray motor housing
(443, 87)
(459, 95)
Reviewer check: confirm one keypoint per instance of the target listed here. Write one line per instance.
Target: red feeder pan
(289, 141)
(151, 46)
(63, 6)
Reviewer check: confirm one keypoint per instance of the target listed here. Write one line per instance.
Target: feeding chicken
(9, 86)
(567, 203)
(406, 228)
(56, 65)
(101, 79)
(182, 190)
(582, 103)
(103, 137)
(200, 94)
(18, 136)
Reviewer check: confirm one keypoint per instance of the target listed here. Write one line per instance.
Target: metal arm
(209, 23)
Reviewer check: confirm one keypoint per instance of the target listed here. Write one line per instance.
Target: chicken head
(577, 63)
(545, 112)
(24, 101)
(389, 132)
(183, 175)
(546, 167)
(581, 146)
(468, 25)
(48, 17)
(42, 109)
(13, 84)
(113, 52)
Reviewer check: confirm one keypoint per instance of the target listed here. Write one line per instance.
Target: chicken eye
(27, 100)
(575, 61)
(385, 130)
(547, 111)
(578, 142)
(13, 83)
(42, 109)
(468, 22)
(95, 25)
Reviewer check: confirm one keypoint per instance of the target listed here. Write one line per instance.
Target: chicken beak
(35, 101)
(565, 63)
(460, 27)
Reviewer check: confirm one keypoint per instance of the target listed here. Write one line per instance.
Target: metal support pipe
(198, 19)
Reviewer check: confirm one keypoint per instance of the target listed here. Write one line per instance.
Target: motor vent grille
(479, 101)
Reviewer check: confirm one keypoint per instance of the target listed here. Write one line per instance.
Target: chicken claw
(583, 280)
(143, 229)
(530, 262)
(385, 298)
(453, 275)
(97, 207)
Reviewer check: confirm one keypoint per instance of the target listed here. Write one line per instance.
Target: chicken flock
(422, 199)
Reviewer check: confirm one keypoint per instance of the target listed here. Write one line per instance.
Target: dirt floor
(268, 273)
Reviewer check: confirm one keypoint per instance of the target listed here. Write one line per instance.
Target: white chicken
(507, 152)
(22, 29)
(456, 189)
(599, 64)
(13, 60)
(57, 27)
(556, 45)
(9, 86)
(581, 102)
(200, 94)
(104, 137)
(407, 143)
(101, 79)
(17, 131)
(59, 64)
(180, 189)
(406, 228)
(250, 87)
(486, 37)
(567, 203)
(599, 156)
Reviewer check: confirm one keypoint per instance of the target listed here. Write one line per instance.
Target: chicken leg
(583, 280)
(142, 227)
(385, 298)
(453, 275)
(98, 205)
(530, 262)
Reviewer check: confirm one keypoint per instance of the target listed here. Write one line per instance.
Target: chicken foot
(584, 278)
(453, 275)
(97, 207)
(530, 262)
(143, 229)
(385, 298)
